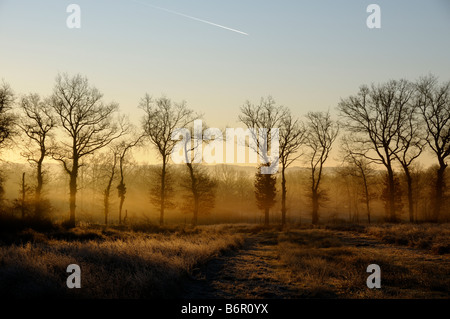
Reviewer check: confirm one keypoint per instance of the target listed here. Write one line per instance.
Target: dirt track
(249, 273)
(255, 272)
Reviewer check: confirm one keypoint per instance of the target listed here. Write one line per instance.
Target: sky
(306, 54)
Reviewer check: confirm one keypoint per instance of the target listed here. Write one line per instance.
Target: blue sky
(306, 54)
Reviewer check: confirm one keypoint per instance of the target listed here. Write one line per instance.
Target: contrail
(190, 17)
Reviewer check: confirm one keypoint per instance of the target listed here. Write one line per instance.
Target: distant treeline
(80, 151)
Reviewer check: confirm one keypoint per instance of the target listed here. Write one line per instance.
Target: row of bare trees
(390, 124)
(313, 139)
(67, 126)
(387, 124)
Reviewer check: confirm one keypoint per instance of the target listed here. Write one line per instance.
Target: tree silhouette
(359, 167)
(22, 203)
(87, 124)
(200, 190)
(113, 157)
(7, 119)
(199, 186)
(124, 147)
(374, 117)
(263, 116)
(434, 104)
(292, 137)
(268, 116)
(411, 142)
(36, 122)
(265, 192)
(321, 133)
(162, 118)
(385, 194)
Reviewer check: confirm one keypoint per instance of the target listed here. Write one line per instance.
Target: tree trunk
(266, 216)
(73, 193)
(23, 196)
(439, 191)
(40, 183)
(108, 191)
(163, 192)
(194, 193)
(315, 207)
(366, 192)
(121, 188)
(350, 202)
(410, 195)
(106, 202)
(356, 216)
(391, 193)
(125, 217)
(367, 198)
(72, 199)
(122, 199)
(283, 197)
(196, 207)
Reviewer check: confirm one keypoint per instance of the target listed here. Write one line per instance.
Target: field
(114, 264)
(228, 261)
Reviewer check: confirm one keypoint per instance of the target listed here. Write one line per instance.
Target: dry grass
(324, 266)
(152, 262)
(114, 264)
(434, 237)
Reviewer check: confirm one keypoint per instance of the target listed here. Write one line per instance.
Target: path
(255, 272)
(248, 273)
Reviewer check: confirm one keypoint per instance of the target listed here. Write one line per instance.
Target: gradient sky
(306, 54)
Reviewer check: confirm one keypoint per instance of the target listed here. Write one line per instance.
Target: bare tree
(156, 181)
(322, 131)
(22, 203)
(24, 192)
(374, 117)
(384, 195)
(411, 144)
(264, 116)
(348, 188)
(110, 178)
(268, 116)
(124, 147)
(6, 118)
(265, 192)
(197, 182)
(162, 117)
(434, 104)
(87, 124)
(360, 167)
(201, 191)
(292, 137)
(36, 122)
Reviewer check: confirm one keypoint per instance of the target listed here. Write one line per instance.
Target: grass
(114, 264)
(322, 265)
(434, 237)
(148, 261)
